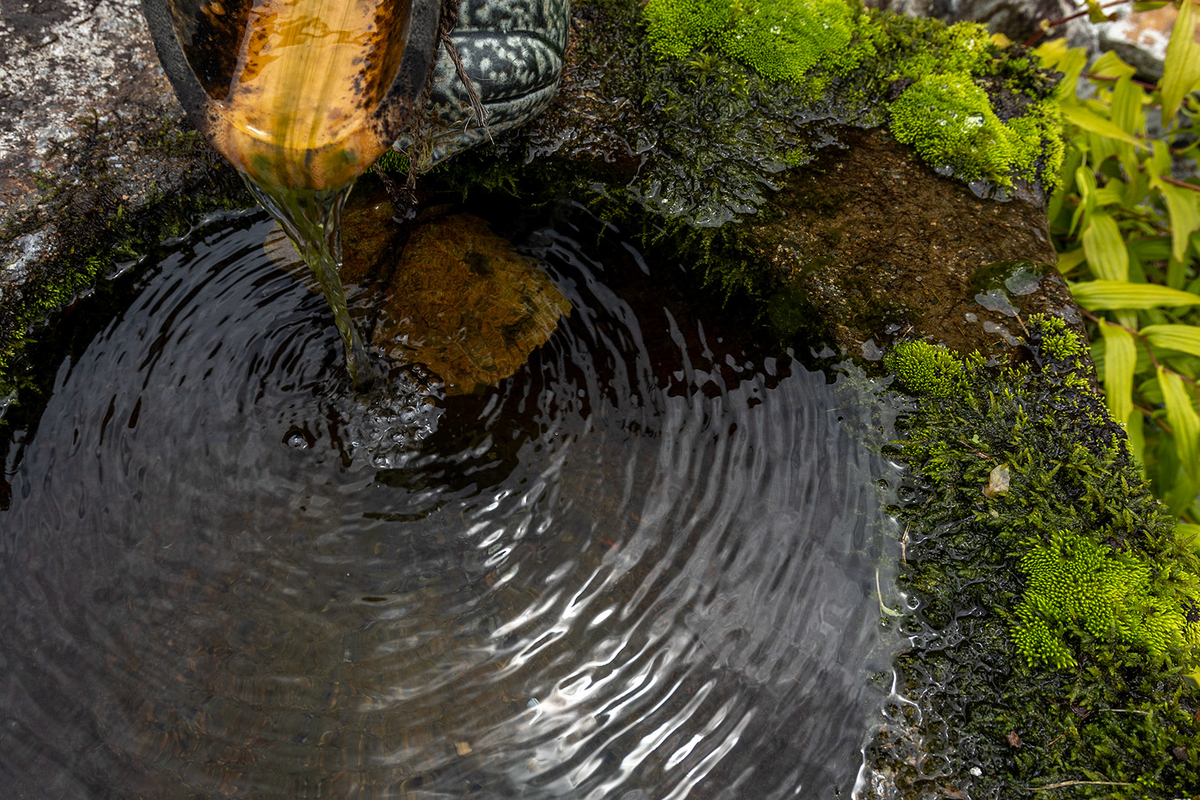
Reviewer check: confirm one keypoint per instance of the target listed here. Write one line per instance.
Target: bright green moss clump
(948, 119)
(1076, 584)
(782, 40)
(926, 368)
(963, 102)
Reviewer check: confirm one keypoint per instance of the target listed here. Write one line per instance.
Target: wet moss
(926, 369)
(1057, 618)
(965, 103)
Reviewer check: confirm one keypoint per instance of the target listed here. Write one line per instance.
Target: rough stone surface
(879, 247)
(69, 65)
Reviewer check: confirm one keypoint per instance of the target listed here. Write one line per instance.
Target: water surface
(643, 567)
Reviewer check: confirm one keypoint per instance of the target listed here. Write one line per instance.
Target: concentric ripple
(643, 567)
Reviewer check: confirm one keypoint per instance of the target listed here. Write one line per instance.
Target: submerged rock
(462, 302)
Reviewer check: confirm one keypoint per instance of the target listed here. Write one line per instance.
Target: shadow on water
(642, 567)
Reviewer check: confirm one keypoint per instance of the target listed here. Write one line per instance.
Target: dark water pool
(643, 567)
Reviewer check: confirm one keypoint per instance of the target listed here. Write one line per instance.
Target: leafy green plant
(1126, 223)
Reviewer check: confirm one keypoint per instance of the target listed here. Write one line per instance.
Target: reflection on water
(643, 567)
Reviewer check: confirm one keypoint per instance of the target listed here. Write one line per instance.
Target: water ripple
(642, 567)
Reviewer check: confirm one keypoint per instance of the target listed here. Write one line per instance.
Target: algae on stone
(463, 303)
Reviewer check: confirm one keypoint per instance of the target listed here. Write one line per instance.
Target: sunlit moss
(948, 118)
(1076, 585)
(926, 368)
(782, 40)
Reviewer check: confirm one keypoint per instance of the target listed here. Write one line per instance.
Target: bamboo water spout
(303, 94)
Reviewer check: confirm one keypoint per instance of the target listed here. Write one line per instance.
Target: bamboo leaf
(1085, 184)
(1184, 208)
(1181, 69)
(1103, 295)
(1105, 248)
(1055, 54)
(1082, 117)
(1185, 423)
(1134, 430)
(1111, 194)
(1184, 338)
(1120, 358)
(1071, 260)
(1110, 65)
(1096, 14)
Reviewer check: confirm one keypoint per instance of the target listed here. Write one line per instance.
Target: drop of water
(296, 438)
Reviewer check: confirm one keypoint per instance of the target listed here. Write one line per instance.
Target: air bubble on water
(395, 416)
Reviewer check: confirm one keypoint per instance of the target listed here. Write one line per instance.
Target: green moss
(926, 369)
(964, 48)
(948, 119)
(1077, 586)
(782, 40)
(1063, 606)
(1060, 344)
(391, 161)
(964, 103)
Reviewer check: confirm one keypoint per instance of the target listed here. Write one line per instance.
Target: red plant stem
(1182, 184)
(1093, 76)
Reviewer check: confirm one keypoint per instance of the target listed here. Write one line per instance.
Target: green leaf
(1085, 184)
(1185, 423)
(1096, 14)
(1181, 69)
(1055, 54)
(1111, 194)
(1105, 294)
(1149, 5)
(1135, 430)
(1184, 338)
(1082, 117)
(1071, 260)
(1105, 248)
(1110, 65)
(1184, 208)
(1127, 99)
(1119, 361)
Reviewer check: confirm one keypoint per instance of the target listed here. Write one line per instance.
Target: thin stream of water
(312, 219)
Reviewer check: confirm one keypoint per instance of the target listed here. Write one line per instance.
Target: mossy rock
(1056, 631)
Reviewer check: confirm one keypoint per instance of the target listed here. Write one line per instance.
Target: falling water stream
(642, 567)
(312, 220)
